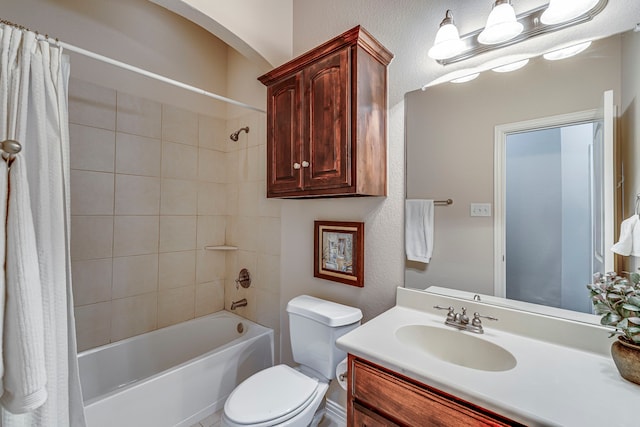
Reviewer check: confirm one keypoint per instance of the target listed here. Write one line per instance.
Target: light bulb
(447, 43)
(562, 10)
(502, 24)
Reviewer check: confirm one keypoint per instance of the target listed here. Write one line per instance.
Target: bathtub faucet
(240, 303)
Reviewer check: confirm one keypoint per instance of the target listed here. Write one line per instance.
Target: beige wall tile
(248, 168)
(212, 166)
(91, 237)
(137, 195)
(211, 199)
(267, 207)
(248, 260)
(210, 266)
(246, 234)
(267, 310)
(212, 133)
(92, 105)
(234, 167)
(262, 162)
(177, 269)
(248, 198)
(258, 123)
(231, 197)
(135, 235)
(179, 197)
(91, 148)
(209, 298)
(177, 233)
(134, 275)
(139, 116)
(179, 161)
(137, 155)
(268, 273)
(91, 281)
(175, 305)
(93, 325)
(179, 125)
(210, 231)
(133, 316)
(91, 193)
(269, 240)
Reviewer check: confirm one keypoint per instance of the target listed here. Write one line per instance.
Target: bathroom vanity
(407, 368)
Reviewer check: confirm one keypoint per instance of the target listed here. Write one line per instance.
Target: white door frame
(499, 186)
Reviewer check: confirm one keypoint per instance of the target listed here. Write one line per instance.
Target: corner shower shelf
(221, 248)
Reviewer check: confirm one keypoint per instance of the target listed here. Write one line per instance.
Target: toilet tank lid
(326, 312)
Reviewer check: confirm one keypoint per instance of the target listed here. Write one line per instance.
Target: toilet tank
(314, 327)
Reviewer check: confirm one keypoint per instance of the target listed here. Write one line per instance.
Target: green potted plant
(617, 299)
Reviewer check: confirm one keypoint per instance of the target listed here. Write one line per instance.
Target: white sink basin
(457, 347)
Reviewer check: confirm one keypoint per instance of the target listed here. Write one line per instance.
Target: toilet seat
(274, 395)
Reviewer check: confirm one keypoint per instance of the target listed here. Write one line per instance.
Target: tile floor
(213, 420)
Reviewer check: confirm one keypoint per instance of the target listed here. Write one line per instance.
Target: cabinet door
(284, 140)
(328, 122)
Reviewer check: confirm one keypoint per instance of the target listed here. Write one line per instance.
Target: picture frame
(339, 252)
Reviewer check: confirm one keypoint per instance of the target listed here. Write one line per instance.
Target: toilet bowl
(293, 397)
(277, 396)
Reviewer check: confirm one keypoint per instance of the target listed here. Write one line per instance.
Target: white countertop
(551, 384)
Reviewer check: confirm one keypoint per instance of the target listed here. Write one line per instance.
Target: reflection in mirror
(450, 133)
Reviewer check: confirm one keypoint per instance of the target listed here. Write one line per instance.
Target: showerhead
(234, 136)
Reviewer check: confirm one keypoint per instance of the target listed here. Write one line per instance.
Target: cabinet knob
(305, 164)
(296, 165)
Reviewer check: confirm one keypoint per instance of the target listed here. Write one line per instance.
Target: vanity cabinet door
(362, 417)
(397, 399)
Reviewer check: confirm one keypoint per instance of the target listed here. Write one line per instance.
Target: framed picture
(339, 252)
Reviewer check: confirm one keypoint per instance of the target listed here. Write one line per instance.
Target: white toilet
(285, 396)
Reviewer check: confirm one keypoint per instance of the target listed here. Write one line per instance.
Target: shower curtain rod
(155, 76)
(135, 69)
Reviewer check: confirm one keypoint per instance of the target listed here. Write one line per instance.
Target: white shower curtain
(40, 383)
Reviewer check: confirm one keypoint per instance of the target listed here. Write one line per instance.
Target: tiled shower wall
(151, 186)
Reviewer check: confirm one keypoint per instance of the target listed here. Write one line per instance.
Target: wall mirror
(450, 153)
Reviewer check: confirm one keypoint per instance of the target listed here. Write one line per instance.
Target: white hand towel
(625, 244)
(23, 345)
(418, 230)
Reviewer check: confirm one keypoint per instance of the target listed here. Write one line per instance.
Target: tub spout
(240, 303)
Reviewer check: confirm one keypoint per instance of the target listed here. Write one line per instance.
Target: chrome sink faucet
(461, 320)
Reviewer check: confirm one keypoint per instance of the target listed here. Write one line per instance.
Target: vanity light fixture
(562, 10)
(558, 15)
(448, 43)
(465, 79)
(502, 24)
(511, 67)
(566, 52)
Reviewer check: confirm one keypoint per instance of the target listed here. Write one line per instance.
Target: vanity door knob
(305, 164)
(296, 166)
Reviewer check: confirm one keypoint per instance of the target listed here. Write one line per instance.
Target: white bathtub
(174, 376)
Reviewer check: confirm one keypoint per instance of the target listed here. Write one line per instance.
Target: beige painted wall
(450, 148)
(260, 30)
(136, 32)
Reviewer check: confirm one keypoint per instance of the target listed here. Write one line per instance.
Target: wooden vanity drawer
(409, 403)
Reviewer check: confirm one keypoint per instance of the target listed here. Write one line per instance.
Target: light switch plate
(480, 209)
